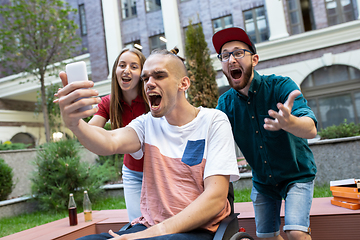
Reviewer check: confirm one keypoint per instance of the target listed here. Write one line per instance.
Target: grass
(10, 225)
(242, 195)
(322, 191)
(22, 222)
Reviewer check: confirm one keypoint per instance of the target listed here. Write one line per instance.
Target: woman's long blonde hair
(117, 94)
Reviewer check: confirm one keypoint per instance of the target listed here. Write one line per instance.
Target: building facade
(315, 42)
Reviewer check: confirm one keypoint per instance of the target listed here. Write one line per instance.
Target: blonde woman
(126, 102)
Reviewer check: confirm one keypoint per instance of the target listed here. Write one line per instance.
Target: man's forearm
(94, 138)
(205, 208)
(303, 127)
(202, 210)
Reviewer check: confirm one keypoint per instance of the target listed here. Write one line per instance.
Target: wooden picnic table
(328, 222)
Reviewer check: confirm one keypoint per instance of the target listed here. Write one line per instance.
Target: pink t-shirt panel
(170, 186)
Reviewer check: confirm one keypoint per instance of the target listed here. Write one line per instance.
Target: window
(152, 5)
(300, 16)
(333, 93)
(256, 25)
(339, 11)
(221, 23)
(157, 42)
(128, 8)
(135, 44)
(83, 27)
(25, 138)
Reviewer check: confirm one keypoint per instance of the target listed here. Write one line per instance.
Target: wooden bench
(327, 222)
(102, 221)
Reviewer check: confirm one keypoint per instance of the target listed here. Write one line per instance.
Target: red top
(130, 112)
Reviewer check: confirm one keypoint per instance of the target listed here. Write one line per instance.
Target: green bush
(115, 161)
(6, 181)
(343, 130)
(60, 172)
(7, 145)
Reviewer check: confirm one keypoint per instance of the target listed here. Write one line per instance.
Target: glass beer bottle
(72, 211)
(87, 207)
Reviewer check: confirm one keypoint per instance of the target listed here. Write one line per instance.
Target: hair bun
(175, 50)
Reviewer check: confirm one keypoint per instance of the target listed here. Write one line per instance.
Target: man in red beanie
(271, 123)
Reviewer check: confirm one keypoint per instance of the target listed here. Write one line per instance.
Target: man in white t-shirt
(189, 153)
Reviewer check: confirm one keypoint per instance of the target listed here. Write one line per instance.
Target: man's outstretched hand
(63, 78)
(283, 118)
(74, 96)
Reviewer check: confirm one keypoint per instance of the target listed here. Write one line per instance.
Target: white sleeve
(221, 156)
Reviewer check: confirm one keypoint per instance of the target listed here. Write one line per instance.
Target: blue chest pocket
(194, 152)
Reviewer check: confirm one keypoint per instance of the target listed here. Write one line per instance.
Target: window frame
(340, 12)
(126, 45)
(316, 93)
(300, 16)
(82, 18)
(131, 15)
(223, 26)
(257, 32)
(151, 48)
(153, 2)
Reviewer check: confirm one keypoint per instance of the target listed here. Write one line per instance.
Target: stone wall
(336, 159)
(21, 163)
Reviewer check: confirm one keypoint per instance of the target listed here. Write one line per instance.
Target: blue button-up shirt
(277, 158)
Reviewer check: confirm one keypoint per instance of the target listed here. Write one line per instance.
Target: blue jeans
(132, 181)
(297, 210)
(193, 235)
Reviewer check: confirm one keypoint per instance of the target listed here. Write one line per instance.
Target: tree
(203, 90)
(54, 114)
(35, 34)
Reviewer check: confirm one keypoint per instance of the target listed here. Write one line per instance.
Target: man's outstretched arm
(303, 127)
(96, 139)
(198, 213)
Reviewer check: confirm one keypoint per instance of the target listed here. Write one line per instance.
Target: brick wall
(96, 40)
(145, 25)
(213, 9)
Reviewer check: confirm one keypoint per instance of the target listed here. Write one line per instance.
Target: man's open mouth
(236, 73)
(155, 100)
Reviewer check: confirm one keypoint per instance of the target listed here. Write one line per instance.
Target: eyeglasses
(238, 53)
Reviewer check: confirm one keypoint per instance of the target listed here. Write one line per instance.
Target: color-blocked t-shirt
(178, 159)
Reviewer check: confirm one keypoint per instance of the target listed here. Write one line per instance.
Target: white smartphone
(77, 72)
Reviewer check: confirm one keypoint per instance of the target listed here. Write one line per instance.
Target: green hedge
(7, 145)
(6, 181)
(343, 130)
(60, 172)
